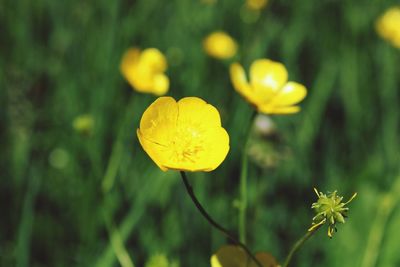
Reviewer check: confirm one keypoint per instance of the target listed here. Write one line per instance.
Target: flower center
(187, 145)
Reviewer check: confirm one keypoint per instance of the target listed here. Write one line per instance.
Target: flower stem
(118, 147)
(299, 243)
(203, 212)
(378, 228)
(243, 184)
(115, 238)
(117, 244)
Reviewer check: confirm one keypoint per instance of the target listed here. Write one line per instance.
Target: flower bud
(329, 209)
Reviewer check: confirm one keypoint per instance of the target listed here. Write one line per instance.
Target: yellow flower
(256, 4)
(220, 45)
(268, 90)
(145, 70)
(388, 26)
(184, 135)
(84, 124)
(234, 256)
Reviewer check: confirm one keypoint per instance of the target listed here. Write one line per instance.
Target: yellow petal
(241, 85)
(216, 145)
(388, 25)
(196, 112)
(218, 148)
(160, 84)
(220, 45)
(268, 109)
(157, 152)
(129, 61)
(159, 120)
(141, 79)
(290, 94)
(267, 75)
(396, 41)
(238, 77)
(154, 59)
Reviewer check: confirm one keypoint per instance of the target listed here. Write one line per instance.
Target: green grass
(60, 59)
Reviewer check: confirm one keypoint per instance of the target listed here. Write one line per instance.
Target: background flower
(184, 135)
(220, 45)
(145, 70)
(268, 90)
(388, 26)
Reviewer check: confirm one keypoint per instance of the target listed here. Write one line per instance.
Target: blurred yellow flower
(220, 45)
(388, 26)
(268, 90)
(234, 256)
(84, 124)
(145, 70)
(256, 4)
(186, 135)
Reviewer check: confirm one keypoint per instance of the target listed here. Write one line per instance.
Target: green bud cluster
(329, 209)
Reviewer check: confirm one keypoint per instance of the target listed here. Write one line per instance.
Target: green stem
(112, 167)
(298, 244)
(118, 148)
(203, 212)
(24, 239)
(117, 244)
(243, 184)
(116, 241)
(377, 232)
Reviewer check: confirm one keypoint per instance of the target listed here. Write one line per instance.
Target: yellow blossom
(144, 70)
(84, 124)
(186, 135)
(220, 45)
(388, 26)
(256, 4)
(235, 256)
(268, 90)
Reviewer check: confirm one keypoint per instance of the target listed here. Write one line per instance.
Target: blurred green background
(60, 59)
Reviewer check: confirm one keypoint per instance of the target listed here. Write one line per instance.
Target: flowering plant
(268, 90)
(184, 135)
(144, 70)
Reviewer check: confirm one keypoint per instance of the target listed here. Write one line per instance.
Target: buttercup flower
(145, 70)
(220, 45)
(268, 90)
(388, 26)
(84, 124)
(184, 135)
